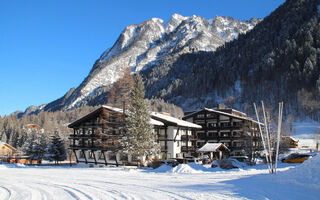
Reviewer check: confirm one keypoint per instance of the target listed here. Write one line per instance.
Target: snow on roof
(156, 123)
(174, 120)
(227, 114)
(113, 108)
(211, 147)
(8, 145)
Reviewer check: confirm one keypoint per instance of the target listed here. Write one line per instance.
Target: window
(91, 155)
(101, 156)
(124, 157)
(236, 124)
(201, 134)
(212, 124)
(200, 144)
(237, 144)
(200, 116)
(112, 156)
(225, 124)
(225, 134)
(81, 154)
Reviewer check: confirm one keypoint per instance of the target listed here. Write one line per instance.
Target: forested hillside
(276, 61)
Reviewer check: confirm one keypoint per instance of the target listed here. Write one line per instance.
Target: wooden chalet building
(239, 133)
(95, 137)
(6, 150)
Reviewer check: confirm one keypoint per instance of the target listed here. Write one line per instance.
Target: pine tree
(35, 147)
(56, 150)
(139, 139)
(28, 146)
(39, 148)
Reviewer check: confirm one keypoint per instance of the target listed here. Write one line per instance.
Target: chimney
(221, 106)
(165, 113)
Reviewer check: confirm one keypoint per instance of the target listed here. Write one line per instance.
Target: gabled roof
(212, 147)
(85, 117)
(174, 121)
(7, 145)
(157, 119)
(222, 113)
(33, 126)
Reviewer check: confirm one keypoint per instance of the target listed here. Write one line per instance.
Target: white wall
(174, 147)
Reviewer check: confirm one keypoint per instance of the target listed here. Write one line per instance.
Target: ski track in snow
(107, 183)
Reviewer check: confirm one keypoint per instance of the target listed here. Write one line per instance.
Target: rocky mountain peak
(143, 45)
(175, 21)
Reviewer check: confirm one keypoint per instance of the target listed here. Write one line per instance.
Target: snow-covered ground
(305, 129)
(182, 182)
(304, 133)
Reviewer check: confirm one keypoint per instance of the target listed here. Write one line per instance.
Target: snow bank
(3, 167)
(190, 168)
(199, 167)
(306, 174)
(185, 169)
(163, 169)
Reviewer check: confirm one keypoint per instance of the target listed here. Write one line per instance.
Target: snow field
(307, 174)
(190, 181)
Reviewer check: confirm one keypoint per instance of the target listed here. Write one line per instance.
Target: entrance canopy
(213, 147)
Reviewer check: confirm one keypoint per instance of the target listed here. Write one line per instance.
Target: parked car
(171, 162)
(240, 158)
(206, 161)
(295, 158)
(190, 159)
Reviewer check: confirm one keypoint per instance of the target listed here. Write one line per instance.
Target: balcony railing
(94, 147)
(189, 148)
(234, 128)
(83, 136)
(163, 149)
(162, 137)
(188, 137)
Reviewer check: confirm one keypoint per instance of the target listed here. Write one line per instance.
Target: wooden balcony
(188, 137)
(82, 147)
(189, 148)
(231, 128)
(93, 148)
(163, 149)
(76, 137)
(162, 138)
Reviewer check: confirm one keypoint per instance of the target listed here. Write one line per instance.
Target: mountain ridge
(140, 46)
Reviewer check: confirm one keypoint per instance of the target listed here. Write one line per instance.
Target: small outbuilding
(6, 151)
(217, 150)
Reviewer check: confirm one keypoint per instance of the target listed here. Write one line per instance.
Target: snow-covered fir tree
(56, 150)
(28, 145)
(139, 139)
(35, 147)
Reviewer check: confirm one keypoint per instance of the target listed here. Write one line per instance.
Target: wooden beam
(104, 157)
(94, 157)
(84, 155)
(177, 133)
(75, 153)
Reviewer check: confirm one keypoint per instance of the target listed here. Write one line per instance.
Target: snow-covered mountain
(144, 45)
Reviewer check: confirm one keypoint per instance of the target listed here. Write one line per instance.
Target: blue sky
(47, 47)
